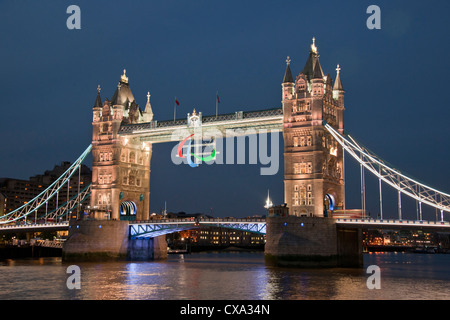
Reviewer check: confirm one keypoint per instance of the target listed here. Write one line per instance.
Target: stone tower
(313, 179)
(120, 166)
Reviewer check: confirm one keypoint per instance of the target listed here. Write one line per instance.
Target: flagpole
(217, 103)
(174, 108)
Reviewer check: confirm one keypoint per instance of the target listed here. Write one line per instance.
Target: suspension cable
(46, 195)
(391, 176)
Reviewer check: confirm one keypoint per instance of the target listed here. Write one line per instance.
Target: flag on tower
(175, 108)
(217, 103)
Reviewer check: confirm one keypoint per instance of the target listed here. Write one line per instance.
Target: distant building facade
(3, 200)
(217, 237)
(211, 236)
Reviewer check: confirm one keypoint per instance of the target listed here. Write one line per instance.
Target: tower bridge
(311, 119)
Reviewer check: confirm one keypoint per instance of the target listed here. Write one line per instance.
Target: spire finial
(99, 89)
(148, 96)
(313, 45)
(338, 83)
(124, 77)
(288, 60)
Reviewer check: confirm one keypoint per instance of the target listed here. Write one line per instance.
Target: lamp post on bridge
(269, 203)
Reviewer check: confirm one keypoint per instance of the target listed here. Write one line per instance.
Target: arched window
(100, 199)
(132, 157)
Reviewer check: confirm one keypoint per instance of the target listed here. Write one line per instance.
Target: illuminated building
(3, 201)
(210, 237)
(314, 180)
(227, 237)
(120, 166)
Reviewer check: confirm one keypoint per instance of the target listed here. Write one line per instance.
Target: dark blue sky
(395, 79)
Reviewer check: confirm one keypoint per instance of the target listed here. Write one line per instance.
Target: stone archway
(329, 204)
(128, 210)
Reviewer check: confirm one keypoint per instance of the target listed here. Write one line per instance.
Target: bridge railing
(199, 220)
(392, 221)
(239, 115)
(34, 225)
(156, 227)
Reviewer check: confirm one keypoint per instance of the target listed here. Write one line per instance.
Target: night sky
(396, 81)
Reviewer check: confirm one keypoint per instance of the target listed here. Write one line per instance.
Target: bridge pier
(147, 249)
(103, 240)
(311, 242)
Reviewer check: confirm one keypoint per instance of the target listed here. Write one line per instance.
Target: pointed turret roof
(308, 70)
(288, 74)
(318, 73)
(313, 69)
(122, 95)
(337, 82)
(328, 80)
(148, 112)
(98, 101)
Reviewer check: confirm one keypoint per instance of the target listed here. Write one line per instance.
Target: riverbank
(27, 251)
(406, 249)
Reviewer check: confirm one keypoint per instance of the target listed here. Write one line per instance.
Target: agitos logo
(190, 155)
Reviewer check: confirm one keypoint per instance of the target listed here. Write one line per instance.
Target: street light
(269, 203)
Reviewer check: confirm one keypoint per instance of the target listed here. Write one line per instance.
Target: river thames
(225, 276)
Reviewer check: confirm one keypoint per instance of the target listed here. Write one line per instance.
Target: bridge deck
(154, 228)
(245, 224)
(394, 223)
(34, 227)
(161, 131)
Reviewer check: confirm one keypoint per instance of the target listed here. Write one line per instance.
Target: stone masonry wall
(96, 240)
(308, 242)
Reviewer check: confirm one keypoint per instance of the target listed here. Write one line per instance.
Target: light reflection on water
(225, 276)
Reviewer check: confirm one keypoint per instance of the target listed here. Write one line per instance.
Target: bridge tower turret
(313, 180)
(338, 95)
(120, 166)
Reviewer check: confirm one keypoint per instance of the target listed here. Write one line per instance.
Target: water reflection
(225, 276)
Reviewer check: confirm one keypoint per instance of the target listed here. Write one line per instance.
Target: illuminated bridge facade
(311, 119)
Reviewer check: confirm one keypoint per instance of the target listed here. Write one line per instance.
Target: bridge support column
(100, 240)
(311, 242)
(147, 249)
(91, 240)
